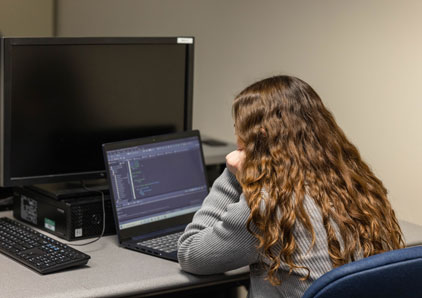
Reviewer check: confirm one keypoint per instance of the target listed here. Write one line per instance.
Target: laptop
(156, 185)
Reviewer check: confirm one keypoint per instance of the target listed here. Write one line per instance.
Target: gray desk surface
(111, 271)
(412, 233)
(115, 271)
(216, 154)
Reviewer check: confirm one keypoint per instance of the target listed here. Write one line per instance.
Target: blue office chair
(396, 273)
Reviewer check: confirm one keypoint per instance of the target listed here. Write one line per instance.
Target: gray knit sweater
(217, 241)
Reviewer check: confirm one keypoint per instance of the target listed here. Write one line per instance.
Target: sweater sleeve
(217, 239)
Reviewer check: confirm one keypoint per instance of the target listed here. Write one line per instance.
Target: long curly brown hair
(293, 148)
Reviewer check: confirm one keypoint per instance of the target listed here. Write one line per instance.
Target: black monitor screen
(63, 99)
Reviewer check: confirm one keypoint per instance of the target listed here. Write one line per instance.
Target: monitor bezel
(6, 45)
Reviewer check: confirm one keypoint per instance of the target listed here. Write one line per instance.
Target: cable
(103, 203)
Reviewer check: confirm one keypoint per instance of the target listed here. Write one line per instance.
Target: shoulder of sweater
(227, 180)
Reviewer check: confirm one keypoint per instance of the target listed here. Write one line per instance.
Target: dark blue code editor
(157, 181)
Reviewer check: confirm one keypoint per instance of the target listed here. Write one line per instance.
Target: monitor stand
(65, 190)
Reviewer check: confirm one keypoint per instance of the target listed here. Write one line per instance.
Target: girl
(296, 199)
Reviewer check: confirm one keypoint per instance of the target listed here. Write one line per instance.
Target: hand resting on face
(234, 161)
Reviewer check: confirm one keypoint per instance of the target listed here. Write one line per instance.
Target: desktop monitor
(62, 98)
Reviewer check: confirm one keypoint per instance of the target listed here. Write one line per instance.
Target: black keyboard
(35, 250)
(167, 243)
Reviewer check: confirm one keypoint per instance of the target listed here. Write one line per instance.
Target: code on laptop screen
(157, 181)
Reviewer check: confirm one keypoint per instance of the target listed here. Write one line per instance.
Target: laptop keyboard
(167, 243)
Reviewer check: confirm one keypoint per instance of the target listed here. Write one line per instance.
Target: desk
(111, 271)
(115, 271)
(215, 159)
(215, 155)
(412, 233)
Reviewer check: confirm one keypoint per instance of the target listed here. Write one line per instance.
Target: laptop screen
(156, 181)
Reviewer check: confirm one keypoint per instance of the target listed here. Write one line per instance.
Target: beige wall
(363, 57)
(26, 17)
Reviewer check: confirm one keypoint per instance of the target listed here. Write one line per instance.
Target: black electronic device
(6, 198)
(72, 218)
(156, 185)
(35, 250)
(62, 98)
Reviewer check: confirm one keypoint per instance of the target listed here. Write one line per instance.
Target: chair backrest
(396, 273)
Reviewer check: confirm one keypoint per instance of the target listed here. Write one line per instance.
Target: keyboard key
(167, 243)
